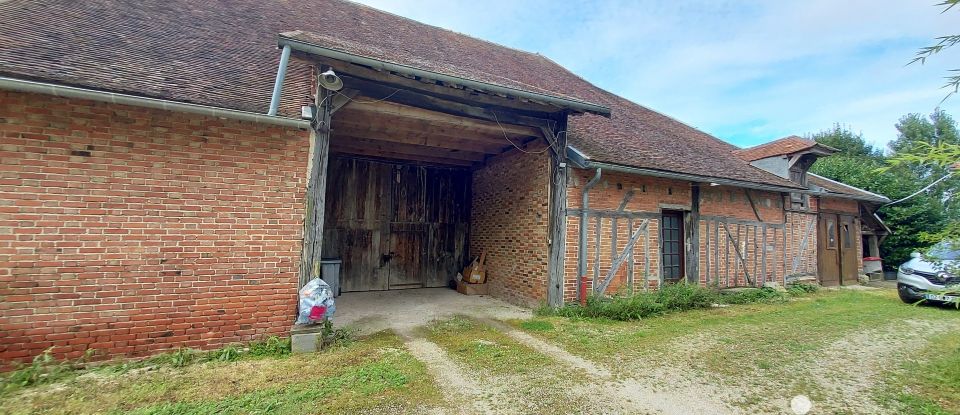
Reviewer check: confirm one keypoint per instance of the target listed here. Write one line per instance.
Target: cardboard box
(466, 288)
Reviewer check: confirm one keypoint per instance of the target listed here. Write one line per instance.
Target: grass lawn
(850, 351)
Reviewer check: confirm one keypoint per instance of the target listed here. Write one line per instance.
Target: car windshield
(945, 251)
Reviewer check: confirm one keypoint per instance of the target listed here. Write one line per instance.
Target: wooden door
(849, 272)
(828, 249)
(671, 245)
(396, 225)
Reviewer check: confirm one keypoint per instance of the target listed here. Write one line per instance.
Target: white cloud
(750, 71)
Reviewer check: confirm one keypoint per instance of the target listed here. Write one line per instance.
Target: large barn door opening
(396, 225)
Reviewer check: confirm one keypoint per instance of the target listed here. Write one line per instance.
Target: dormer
(790, 158)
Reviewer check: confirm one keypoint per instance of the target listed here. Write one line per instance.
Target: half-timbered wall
(745, 238)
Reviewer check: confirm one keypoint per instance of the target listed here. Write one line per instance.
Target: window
(845, 236)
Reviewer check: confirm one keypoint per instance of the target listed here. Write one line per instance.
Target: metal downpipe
(278, 83)
(582, 248)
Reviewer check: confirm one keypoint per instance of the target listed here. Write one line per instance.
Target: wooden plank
(613, 238)
(342, 98)
(716, 248)
(707, 264)
(402, 148)
(626, 199)
(316, 192)
(803, 246)
(596, 252)
(618, 261)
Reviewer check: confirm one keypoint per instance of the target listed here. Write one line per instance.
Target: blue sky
(744, 71)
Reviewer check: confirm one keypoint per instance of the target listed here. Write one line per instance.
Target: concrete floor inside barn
(404, 310)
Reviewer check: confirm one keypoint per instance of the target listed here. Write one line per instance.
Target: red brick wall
(130, 230)
(509, 222)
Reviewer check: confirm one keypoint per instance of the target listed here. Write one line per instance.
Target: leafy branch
(943, 42)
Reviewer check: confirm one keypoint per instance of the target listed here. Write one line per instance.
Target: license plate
(940, 297)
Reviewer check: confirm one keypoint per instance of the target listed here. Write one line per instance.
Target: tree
(943, 42)
(861, 165)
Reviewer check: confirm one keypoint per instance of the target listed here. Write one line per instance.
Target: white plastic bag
(316, 302)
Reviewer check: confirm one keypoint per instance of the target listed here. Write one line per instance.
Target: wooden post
(692, 244)
(558, 212)
(316, 190)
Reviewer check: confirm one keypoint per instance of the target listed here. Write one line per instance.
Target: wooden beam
(471, 110)
(557, 220)
(692, 243)
(364, 151)
(402, 148)
(622, 257)
(453, 93)
(316, 191)
(342, 98)
(407, 111)
(487, 136)
(409, 137)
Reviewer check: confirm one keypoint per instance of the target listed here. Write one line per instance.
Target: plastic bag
(316, 302)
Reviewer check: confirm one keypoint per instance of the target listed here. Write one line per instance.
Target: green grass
(484, 348)
(930, 382)
(375, 372)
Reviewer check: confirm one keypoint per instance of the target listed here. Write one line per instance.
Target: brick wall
(130, 230)
(509, 222)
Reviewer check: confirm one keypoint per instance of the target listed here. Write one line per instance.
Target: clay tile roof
(835, 188)
(782, 147)
(226, 55)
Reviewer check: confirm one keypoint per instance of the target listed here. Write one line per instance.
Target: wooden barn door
(849, 274)
(828, 249)
(394, 225)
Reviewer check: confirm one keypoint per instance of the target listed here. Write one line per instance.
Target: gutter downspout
(278, 84)
(20, 85)
(582, 254)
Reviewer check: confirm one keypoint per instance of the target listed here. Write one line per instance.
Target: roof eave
(581, 160)
(563, 103)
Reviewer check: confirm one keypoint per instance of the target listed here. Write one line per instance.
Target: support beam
(316, 190)
(558, 218)
(342, 98)
(360, 150)
(385, 133)
(692, 230)
(343, 141)
(419, 113)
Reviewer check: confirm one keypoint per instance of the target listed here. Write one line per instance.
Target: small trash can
(330, 273)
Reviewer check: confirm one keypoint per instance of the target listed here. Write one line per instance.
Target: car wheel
(908, 294)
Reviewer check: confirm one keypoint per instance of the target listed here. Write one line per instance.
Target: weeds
(669, 299)
(273, 346)
(43, 369)
(330, 336)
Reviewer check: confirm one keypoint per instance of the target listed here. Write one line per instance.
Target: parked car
(927, 277)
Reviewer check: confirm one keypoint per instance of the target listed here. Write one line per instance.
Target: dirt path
(680, 397)
(449, 375)
(849, 369)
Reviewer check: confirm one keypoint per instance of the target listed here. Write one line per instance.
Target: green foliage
(799, 289)
(43, 369)
(182, 357)
(849, 143)
(273, 346)
(331, 337)
(226, 354)
(753, 295)
(943, 42)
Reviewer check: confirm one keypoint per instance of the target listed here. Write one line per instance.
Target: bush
(752, 295)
